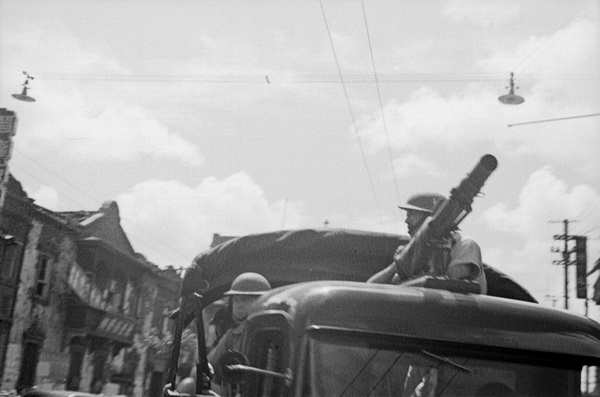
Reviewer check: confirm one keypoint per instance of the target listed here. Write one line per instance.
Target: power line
(591, 206)
(591, 229)
(304, 78)
(557, 119)
(585, 227)
(362, 152)
(588, 211)
(13, 165)
(387, 139)
(569, 20)
(95, 200)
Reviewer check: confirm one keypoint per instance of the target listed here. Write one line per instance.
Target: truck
(322, 330)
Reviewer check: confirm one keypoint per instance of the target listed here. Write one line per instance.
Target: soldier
(220, 323)
(465, 255)
(245, 289)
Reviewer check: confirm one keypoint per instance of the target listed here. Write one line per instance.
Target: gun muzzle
(472, 184)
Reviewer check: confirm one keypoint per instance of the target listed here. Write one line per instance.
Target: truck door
(268, 349)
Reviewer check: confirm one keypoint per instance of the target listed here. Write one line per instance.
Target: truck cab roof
(432, 314)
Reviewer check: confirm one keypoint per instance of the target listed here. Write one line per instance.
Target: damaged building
(79, 308)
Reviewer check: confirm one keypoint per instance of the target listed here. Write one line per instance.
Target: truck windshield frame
(348, 362)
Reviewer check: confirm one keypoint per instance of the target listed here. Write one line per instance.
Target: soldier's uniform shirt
(466, 250)
(232, 340)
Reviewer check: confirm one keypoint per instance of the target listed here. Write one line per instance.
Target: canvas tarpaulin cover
(293, 256)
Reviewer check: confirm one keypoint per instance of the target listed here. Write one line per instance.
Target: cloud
(561, 67)
(481, 13)
(102, 122)
(521, 236)
(430, 118)
(554, 88)
(93, 132)
(412, 164)
(171, 222)
(542, 199)
(471, 114)
(54, 51)
(46, 197)
(531, 265)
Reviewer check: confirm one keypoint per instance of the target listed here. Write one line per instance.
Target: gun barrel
(482, 170)
(472, 184)
(489, 162)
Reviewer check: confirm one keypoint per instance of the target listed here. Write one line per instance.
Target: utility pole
(552, 298)
(566, 260)
(566, 254)
(580, 250)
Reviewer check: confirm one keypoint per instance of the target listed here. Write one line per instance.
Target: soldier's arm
(384, 276)
(219, 350)
(466, 263)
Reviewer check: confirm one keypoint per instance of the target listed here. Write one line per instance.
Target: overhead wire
(591, 229)
(95, 200)
(553, 36)
(385, 130)
(303, 78)
(378, 78)
(355, 128)
(13, 165)
(584, 214)
(590, 207)
(552, 39)
(557, 119)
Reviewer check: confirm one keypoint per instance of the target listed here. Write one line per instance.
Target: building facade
(14, 229)
(81, 310)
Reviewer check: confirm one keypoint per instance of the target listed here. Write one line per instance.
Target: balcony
(84, 320)
(117, 328)
(81, 318)
(91, 316)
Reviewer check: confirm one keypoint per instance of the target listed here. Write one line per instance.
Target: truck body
(324, 331)
(358, 339)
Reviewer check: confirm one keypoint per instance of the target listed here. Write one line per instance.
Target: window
(114, 296)
(350, 366)
(127, 299)
(42, 285)
(118, 288)
(99, 362)
(75, 363)
(3, 343)
(589, 376)
(5, 305)
(7, 254)
(267, 353)
(165, 321)
(158, 317)
(138, 303)
(27, 374)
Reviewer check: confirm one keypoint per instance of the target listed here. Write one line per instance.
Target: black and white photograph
(299, 198)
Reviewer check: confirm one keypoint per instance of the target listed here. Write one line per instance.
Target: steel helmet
(424, 202)
(187, 386)
(249, 284)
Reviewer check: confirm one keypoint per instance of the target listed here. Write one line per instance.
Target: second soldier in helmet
(244, 291)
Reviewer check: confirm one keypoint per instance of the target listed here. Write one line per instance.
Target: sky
(238, 117)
